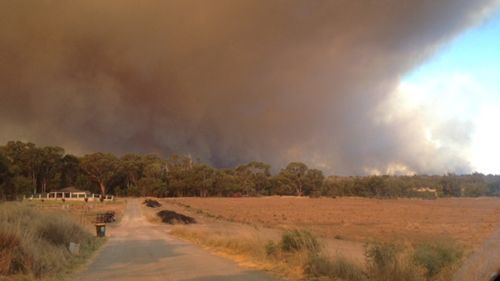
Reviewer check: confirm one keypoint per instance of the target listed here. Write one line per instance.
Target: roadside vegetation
(299, 255)
(26, 169)
(34, 243)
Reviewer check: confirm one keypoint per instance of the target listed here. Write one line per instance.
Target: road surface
(140, 250)
(481, 264)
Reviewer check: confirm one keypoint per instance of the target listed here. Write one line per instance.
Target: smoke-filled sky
(233, 81)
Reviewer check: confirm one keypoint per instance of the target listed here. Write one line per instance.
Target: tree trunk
(299, 190)
(33, 180)
(44, 186)
(103, 188)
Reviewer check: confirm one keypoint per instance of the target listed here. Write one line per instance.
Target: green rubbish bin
(100, 229)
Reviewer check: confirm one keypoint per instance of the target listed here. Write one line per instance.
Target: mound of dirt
(151, 203)
(172, 217)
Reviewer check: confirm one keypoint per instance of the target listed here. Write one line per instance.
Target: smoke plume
(227, 81)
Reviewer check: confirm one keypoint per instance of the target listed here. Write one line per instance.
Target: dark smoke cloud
(227, 81)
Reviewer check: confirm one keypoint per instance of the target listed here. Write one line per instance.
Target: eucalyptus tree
(100, 168)
(69, 170)
(132, 166)
(314, 180)
(255, 177)
(293, 177)
(178, 172)
(26, 160)
(49, 165)
(202, 179)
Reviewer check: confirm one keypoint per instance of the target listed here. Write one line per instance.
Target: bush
(320, 267)
(298, 240)
(61, 230)
(436, 256)
(35, 243)
(387, 262)
(271, 248)
(172, 217)
(151, 203)
(382, 257)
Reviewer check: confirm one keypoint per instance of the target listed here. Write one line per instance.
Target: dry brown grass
(249, 250)
(344, 225)
(84, 212)
(9, 258)
(34, 242)
(467, 220)
(303, 260)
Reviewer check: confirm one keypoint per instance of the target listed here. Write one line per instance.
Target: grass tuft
(320, 267)
(271, 248)
(434, 257)
(298, 240)
(389, 262)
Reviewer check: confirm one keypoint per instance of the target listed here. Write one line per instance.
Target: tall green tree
(202, 179)
(179, 169)
(294, 177)
(50, 164)
(100, 168)
(154, 167)
(153, 177)
(132, 165)
(69, 170)
(5, 175)
(226, 183)
(255, 177)
(26, 160)
(314, 180)
(451, 185)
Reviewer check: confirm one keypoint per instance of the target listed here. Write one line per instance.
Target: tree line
(26, 169)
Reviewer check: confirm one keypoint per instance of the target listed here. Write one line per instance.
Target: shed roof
(71, 189)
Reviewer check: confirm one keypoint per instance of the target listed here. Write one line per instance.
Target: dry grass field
(469, 221)
(84, 212)
(242, 229)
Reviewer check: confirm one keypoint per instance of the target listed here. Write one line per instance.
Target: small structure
(70, 193)
(428, 190)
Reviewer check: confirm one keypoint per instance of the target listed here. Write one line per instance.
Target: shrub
(151, 203)
(320, 267)
(436, 256)
(387, 262)
(60, 230)
(298, 240)
(271, 248)
(172, 217)
(35, 243)
(382, 257)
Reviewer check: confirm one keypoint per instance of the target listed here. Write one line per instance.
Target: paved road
(139, 250)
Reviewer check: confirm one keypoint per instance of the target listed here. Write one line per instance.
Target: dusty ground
(140, 250)
(467, 220)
